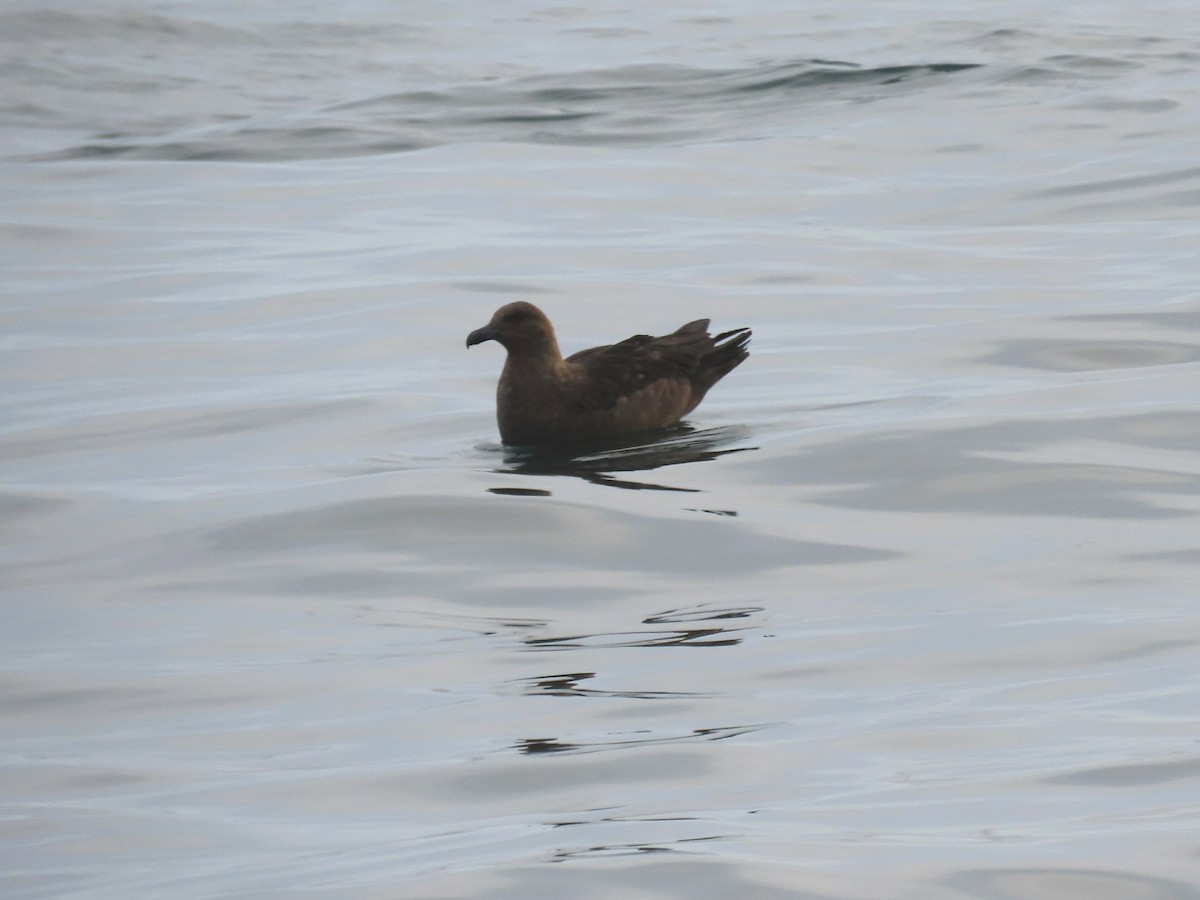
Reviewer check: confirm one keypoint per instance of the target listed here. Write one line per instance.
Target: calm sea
(911, 608)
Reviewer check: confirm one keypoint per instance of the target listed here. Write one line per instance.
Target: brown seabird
(641, 383)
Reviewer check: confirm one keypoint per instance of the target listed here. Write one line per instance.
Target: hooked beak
(479, 335)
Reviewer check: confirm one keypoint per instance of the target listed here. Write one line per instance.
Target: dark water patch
(1132, 775)
(16, 507)
(1167, 320)
(1090, 356)
(690, 637)
(19, 699)
(841, 74)
(702, 614)
(1081, 63)
(964, 470)
(1148, 649)
(697, 876)
(1189, 557)
(631, 485)
(453, 547)
(631, 106)
(1064, 68)
(1122, 104)
(570, 685)
(1062, 883)
(1136, 183)
(61, 25)
(607, 851)
(116, 430)
(258, 144)
(1030, 76)
(533, 746)
(1002, 37)
(1172, 193)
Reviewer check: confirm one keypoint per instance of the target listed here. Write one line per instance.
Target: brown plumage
(641, 383)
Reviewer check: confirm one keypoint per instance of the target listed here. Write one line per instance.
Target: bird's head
(520, 327)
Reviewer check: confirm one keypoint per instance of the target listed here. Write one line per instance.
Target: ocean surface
(909, 608)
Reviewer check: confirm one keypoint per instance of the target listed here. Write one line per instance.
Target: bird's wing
(625, 369)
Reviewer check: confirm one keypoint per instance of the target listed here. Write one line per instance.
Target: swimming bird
(641, 383)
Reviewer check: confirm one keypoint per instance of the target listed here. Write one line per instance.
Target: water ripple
(628, 106)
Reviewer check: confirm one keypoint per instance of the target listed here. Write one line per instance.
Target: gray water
(908, 609)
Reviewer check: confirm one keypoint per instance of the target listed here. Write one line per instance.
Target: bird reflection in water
(570, 685)
(620, 741)
(645, 452)
(726, 634)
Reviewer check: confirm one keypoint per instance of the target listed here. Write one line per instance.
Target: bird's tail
(728, 352)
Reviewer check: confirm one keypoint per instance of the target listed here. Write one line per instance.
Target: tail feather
(729, 351)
